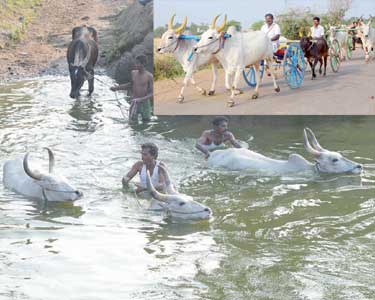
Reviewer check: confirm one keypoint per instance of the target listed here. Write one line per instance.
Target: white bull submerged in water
(325, 161)
(177, 205)
(34, 184)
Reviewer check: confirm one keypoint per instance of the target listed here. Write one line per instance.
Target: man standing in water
(142, 86)
(217, 137)
(149, 162)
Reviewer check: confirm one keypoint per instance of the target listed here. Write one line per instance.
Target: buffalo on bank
(82, 55)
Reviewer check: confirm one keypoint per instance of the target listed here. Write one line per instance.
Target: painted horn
(222, 26)
(314, 141)
(182, 27)
(154, 193)
(51, 160)
(213, 24)
(170, 24)
(307, 145)
(27, 169)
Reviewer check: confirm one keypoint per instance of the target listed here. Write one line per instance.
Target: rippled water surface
(286, 237)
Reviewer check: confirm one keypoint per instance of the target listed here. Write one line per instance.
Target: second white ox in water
(182, 49)
(177, 205)
(19, 177)
(235, 53)
(325, 161)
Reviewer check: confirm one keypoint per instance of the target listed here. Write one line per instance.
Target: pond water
(272, 237)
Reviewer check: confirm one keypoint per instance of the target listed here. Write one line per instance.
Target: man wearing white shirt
(317, 31)
(272, 30)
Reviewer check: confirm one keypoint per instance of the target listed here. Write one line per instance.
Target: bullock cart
(290, 58)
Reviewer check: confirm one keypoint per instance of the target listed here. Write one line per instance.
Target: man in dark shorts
(142, 90)
(216, 138)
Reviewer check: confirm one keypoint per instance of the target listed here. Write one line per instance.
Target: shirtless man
(149, 152)
(142, 86)
(217, 137)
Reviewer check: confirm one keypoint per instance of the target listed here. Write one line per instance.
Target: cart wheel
(294, 66)
(249, 74)
(334, 56)
(349, 51)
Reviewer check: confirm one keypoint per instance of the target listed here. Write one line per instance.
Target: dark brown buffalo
(82, 55)
(315, 51)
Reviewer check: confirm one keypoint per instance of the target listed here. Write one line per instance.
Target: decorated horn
(314, 141)
(182, 27)
(308, 146)
(27, 169)
(222, 26)
(170, 24)
(213, 24)
(51, 160)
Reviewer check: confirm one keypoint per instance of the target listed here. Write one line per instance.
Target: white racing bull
(325, 161)
(182, 50)
(33, 184)
(367, 34)
(236, 52)
(176, 205)
(342, 38)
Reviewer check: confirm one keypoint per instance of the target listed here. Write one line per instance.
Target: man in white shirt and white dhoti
(317, 31)
(272, 30)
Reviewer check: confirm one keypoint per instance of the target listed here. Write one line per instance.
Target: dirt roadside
(348, 92)
(43, 49)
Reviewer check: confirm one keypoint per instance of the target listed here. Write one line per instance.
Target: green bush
(166, 67)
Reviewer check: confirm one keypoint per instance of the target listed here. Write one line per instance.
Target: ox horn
(222, 26)
(170, 24)
(51, 160)
(182, 27)
(308, 147)
(27, 169)
(213, 24)
(314, 141)
(154, 193)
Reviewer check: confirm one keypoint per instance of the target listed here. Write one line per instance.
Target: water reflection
(86, 115)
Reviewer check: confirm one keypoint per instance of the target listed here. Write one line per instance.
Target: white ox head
(364, 29)
(169, 39)
(177, 205)
(329, 161)
(53, 187)
(210, 39)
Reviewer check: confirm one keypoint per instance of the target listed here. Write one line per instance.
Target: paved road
(351, 91)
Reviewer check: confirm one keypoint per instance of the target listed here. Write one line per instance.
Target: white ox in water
(18, 176)
(342, 37)
(367, 34)
(325, 161)
(177, 205)
(236, 52)
(182, 50)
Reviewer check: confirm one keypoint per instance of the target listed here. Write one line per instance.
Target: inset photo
(269, 58)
